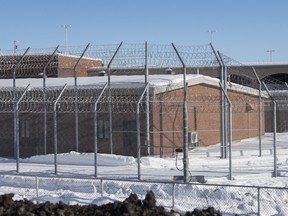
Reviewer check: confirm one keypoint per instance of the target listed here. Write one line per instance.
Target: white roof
(127, 80)
(160, 83)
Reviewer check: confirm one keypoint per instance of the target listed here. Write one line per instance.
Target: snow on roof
(132, 80)
(77, 57)
(159, 83)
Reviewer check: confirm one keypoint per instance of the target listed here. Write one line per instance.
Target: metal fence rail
(229, 199)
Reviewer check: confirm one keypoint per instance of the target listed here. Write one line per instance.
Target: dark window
(103, 129)
(24, 128)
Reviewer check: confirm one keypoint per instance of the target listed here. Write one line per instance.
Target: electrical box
(193, 138)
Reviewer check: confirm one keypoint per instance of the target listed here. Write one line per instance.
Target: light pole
(15, 45)
(270, 51)
(211, 34)
(66, 36)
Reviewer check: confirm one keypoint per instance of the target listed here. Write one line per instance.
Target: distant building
(62, 65)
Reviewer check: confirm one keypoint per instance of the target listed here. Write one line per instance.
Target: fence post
(55, 128)
(258, 199)
(16, 126)
(138, 131)
(101, 187)
(109, 98)
(14, 97)
(222, 124)
(147, 102)
(223, 104)
(76, 99)
(173, 195)
(37, 186)
(44, 99)
(260, 112)
(95, 130)
(230, 131)
(274, 129)
(185, 121)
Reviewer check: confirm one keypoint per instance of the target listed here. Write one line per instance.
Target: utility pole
(66, 35)
(211, 35)
(15, 45)
(270, 51)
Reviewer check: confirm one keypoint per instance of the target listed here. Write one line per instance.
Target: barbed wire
(31, 65)
(82, 99)
(132, 54)
(131, 58)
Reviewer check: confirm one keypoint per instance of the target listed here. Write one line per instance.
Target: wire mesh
(228, 199)
(167, 103)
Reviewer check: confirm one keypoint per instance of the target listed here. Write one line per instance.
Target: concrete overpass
(275, 70)
(244, 71)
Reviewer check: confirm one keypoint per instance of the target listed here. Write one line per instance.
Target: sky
(245, 29)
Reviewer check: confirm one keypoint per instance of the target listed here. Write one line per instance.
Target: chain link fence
(229, 199)
(125, 118)
(144, 115)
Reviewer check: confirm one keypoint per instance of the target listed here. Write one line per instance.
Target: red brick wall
(203, 115)
(66, 66)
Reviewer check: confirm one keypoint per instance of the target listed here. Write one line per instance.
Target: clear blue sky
(246, 29)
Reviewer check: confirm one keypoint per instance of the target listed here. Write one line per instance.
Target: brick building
(166, 115)
(32, 65)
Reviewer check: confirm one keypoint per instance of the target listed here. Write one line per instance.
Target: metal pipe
(274, 128)
(222, 126)
(161, 127)
(55, 128)
(109, 98)
(173, 195)
(223, 107)
(95, 130)
(17, 127)
(44, 99)
(14, 97)
(147, 102)
(76, 99)
(17, 65)
(258, 200)
(37, 186)
(185, 121)
(138, 131)
(230, 130)
(260, 112)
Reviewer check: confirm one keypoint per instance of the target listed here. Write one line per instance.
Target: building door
(130, 138)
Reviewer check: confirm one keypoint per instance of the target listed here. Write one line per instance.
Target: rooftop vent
(169, 71)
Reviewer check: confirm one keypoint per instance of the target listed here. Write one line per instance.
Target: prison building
(165, 114)
(32, 65)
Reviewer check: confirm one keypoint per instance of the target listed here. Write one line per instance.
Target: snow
(76, 183)
(154, 80)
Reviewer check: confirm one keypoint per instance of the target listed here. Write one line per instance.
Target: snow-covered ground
(247, 169)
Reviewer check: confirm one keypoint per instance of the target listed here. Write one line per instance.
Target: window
(103, 129)
(106, 129)
(24, 129)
